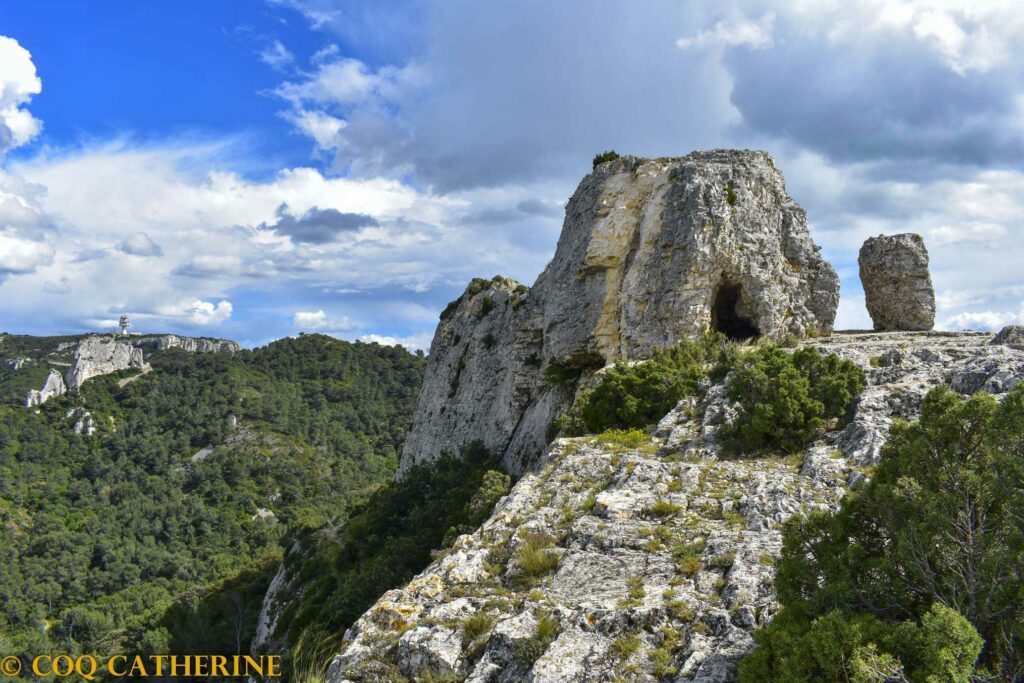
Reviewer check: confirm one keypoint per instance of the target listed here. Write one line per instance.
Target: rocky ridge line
(619, 516)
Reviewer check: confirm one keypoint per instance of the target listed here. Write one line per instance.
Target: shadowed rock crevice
(728, 314)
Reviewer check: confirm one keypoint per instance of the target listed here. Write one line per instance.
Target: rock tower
(897, 286)
(652, 251)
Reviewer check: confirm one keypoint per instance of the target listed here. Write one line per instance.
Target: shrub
(938, 525)
(730, 196)
(632, 396)
(449, 310)
(605, 156)
(786, 398)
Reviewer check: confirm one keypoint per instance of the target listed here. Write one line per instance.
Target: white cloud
(752, 34)
(322, 127)
(966, 232)
(22, 256)
(18, 83)
(275, 55)
(140, 244)
(203, 313)
(310, 320)
(414, 342)
(347, 82)
(980, 320)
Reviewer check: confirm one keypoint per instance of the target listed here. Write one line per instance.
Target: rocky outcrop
(84, 423)
(652, 251)
(661, 555)
(897, 286)
(53, 386)
(191, 344)
(99, 355)
(1011, 335)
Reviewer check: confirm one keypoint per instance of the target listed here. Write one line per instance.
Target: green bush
(840, 646)
(636, 396)
(939, 524)
(390, 539)
(605, 156)
(786, 399)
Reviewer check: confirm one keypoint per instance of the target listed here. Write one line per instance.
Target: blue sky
(252, 169)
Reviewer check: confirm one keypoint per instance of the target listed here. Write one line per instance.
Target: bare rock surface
(1011, 335)
(100, 355)
(663, 553)
(651, 251)
(190, 344)
(897, 286)
(52, 387)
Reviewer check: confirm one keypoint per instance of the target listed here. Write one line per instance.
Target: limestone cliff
(651, 251)
(663, 551)
(53, 386)
(164, 342)
(99, 355)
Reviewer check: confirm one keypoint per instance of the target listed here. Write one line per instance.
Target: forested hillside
(160, 531)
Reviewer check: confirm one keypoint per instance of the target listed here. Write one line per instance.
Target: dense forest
(160, 531)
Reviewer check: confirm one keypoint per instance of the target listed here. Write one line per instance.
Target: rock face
(53, 386)
(84, 422)
(192, 344)
(98, 355)
(659, 545)
(652, 251)
(897, 286)
(1011, 335)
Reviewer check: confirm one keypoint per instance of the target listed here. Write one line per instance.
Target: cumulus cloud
(22, 256)
(754, 34)
(197, 312)
(980, 320)
(885, 115)
(318, 226)
(319, 321)
(18, 83)
(415, 342)
(140, 244)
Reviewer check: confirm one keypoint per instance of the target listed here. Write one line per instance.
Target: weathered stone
(1011, 335)
(618, 573)
(191, 344)
(53, 386)
(100, 355)
(897, 286)
(652, 251)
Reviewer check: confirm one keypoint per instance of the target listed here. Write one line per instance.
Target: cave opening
(727, 316)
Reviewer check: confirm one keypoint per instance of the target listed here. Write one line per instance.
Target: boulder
(1011, 335)
(897, 286)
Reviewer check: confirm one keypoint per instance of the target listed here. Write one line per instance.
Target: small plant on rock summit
(605, 156)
